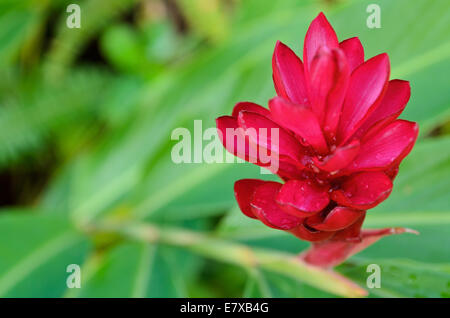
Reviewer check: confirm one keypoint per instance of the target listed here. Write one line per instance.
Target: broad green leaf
(138, 270)
(268, 284)
(402, 277)
(36, 250)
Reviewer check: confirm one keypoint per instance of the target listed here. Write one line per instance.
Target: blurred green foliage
(85, 122)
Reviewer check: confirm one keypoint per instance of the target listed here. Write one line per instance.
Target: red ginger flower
(340, 143)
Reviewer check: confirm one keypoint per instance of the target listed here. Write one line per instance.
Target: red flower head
(339, 143)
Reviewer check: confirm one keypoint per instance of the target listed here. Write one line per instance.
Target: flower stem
(237, 254)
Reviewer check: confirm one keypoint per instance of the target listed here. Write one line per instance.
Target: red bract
(340, 143)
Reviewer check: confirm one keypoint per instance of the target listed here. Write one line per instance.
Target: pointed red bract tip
(320, 33)
(331, 253)
(354, 52)
(288, 74)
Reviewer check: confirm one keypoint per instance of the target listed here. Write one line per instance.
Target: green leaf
(269, 284)
(36, 250)
(403, 278)
(16, 23)
(139, 270)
